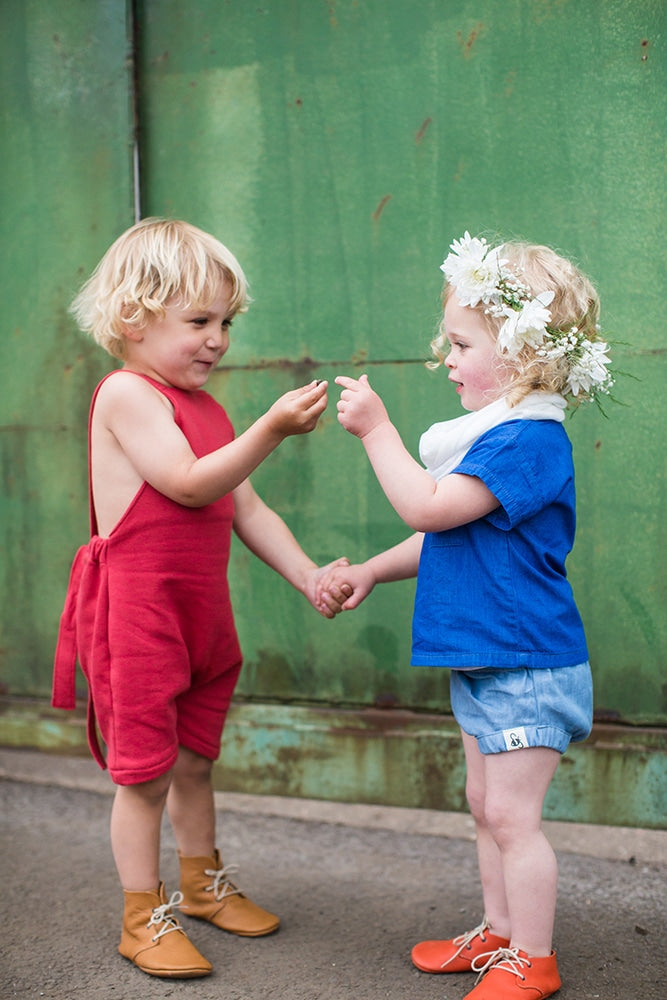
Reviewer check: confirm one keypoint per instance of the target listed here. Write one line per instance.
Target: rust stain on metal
(460, 170)
(262, 364)
(378, 211)
(468, 43)
(422, 130)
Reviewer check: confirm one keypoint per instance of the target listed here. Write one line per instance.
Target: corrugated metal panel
(66, 191)
(337, 148)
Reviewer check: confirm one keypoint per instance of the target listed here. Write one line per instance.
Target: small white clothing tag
(515, 739)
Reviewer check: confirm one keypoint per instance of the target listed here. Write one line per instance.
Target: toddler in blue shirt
(492, 510)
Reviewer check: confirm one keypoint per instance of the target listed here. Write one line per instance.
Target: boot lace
(163, 915)
(507, 959)
(221, 886)
(463, 940)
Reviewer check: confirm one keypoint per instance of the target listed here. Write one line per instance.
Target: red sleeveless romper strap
(148, 614)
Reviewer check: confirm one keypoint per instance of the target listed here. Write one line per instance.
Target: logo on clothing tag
(515, 739)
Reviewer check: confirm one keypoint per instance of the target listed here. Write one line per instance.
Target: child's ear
(129, 330)
(136, 334)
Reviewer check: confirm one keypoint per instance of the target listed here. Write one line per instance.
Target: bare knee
(192, 767)
(150, 793)
(507, 823)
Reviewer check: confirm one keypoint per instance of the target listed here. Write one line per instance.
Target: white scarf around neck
(443, 445)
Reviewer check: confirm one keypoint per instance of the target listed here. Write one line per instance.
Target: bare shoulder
(126, 391)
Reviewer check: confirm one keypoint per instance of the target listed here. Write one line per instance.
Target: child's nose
(216, 337)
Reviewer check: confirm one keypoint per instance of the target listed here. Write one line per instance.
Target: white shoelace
(163, 915)
(221, 885)
(507, 959)
(463, 940)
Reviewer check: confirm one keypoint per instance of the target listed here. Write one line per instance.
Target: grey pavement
(355, 887)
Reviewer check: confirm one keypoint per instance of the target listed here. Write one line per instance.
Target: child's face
(474, 366)
(183, 347)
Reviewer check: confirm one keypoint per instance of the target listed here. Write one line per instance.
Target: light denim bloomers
(513, 709)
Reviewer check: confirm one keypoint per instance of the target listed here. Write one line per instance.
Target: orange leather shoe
(510, 974)
(456, 954)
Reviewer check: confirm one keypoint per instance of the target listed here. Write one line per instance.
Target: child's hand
(351, 583)
(298, 411)
(328, 604)
(360, 409)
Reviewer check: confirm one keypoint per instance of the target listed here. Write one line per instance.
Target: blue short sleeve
(526, 464)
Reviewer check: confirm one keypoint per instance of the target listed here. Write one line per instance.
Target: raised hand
(360, 409)
(297, 411)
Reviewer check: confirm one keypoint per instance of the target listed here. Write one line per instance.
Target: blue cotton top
(494, 593)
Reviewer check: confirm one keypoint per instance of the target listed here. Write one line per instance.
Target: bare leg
(136, 818)
(516, 784)
(191, 806)
(488, 854)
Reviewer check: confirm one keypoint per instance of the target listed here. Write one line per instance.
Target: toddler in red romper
(148, 612)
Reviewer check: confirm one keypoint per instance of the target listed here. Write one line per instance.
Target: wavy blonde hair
(575, 303)
(153, 262)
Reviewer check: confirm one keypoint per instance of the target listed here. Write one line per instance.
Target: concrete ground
(355, 886)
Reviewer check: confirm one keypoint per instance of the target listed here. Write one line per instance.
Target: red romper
(148, 613)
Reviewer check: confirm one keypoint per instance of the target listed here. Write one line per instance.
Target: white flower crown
(478, 273)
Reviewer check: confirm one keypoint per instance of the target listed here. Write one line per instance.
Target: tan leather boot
(154, 940)
(208, 894)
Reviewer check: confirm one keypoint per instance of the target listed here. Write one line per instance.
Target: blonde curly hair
(153, 262)
(575, 304)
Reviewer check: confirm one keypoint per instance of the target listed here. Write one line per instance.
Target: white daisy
(527, 325)
(473, 268)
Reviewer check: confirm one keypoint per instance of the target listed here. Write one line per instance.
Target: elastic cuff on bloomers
(524, 736)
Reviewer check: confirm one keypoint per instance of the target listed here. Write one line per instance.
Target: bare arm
(266, 535)
(134, 424)
(424, 505)
(398, 563)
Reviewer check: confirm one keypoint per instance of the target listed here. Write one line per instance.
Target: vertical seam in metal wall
(134, 100)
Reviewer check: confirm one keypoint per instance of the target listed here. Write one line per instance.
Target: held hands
(328, 602)
(344, 585)
(298, 411)
(360, 409)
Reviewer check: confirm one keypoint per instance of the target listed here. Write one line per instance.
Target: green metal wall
(337, 147)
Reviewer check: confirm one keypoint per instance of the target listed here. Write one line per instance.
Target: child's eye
(226, 323)
(200, 320)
